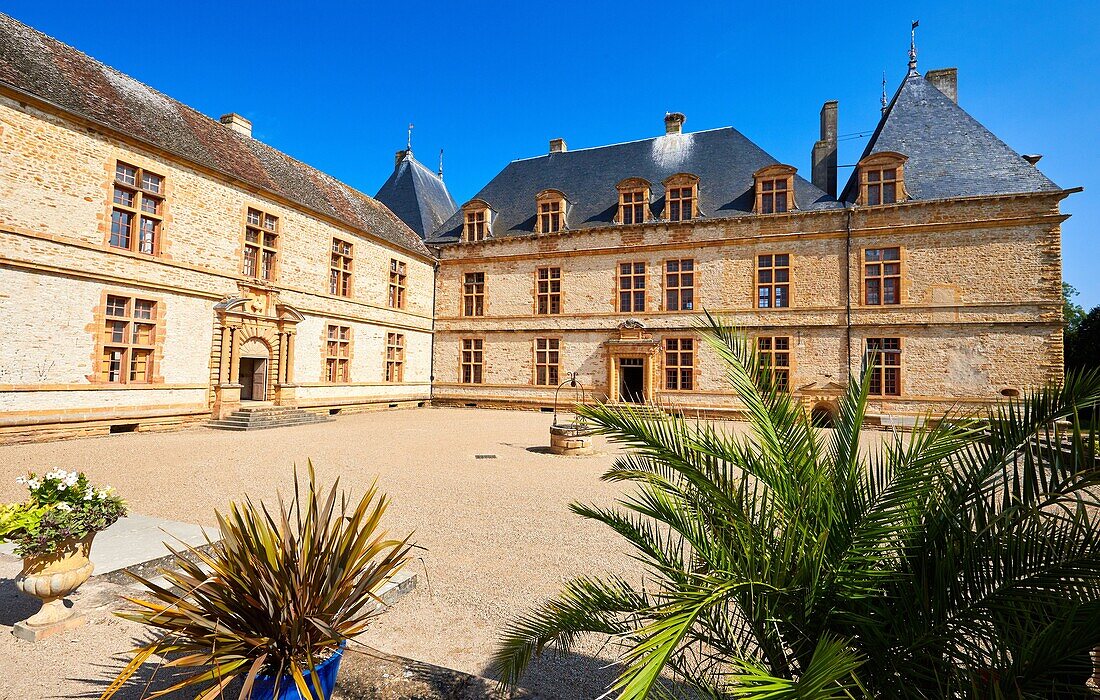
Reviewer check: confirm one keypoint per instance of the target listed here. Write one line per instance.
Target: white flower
(20, 479)
(64, 506)
(61, 486)
(88, 495)
(34, 483)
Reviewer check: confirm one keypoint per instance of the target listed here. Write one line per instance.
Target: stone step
(265, 417)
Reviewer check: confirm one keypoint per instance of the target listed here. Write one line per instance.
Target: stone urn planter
(52, 577)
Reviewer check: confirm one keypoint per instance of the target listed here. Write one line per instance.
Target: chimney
(823, 158)
(674, 122)
(946, 80)
(400, 156)
(237, 123)
(1033, 158)
(558, 146)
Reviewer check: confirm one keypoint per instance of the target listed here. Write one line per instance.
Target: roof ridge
(621, 143)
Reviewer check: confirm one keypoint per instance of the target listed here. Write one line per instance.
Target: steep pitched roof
(950, 153)
(417, 195)
(723, 159)
(36, 64)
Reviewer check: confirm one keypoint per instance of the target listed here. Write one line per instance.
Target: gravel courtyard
(497, 533)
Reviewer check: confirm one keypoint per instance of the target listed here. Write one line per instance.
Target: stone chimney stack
(674, 122)
(400, 156)
(823, 158)
(237, 123)
(558, 146)
(946, 80)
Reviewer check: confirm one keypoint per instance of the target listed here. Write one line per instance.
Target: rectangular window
(631, 287)
(773, 281)
(261, 245)
(882, 276)
(338, 354)
(547, 354)
(632, 206)
(773, 196)
(395, 357)
(679, 364)
(475, 225)
(550, 218)
(882, 186)
(473, 294)
(680, 285)
(398, 278)
(548, 290)
(775, 354)
(340, 268)
(473, 360)
(681, 203)
(128, 340)
(137, 209)
(884, 357)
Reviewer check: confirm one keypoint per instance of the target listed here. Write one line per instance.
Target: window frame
(476, 220)
(879, 163)
(393, 368)
(475, 346)
(337, 351)
(126, 347)
(633, 275)
(542, 361)
(136, 209)
(638, 190)
(878, 372)
(765, 200)
(769, 357)
(771, 286)
(679, 289)
(882, 277)
(341, 278)
(679, 367)
(678, 183)
(550, 212)
(260, 244)
(549, 294)
(473, 295)
(397, 297)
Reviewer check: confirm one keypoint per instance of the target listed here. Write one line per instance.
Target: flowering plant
(61, 506)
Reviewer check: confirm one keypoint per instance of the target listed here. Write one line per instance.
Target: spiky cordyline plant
(959, 560)
(282, 591)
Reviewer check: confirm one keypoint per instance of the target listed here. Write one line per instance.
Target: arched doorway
(254, 369)
(823, 414)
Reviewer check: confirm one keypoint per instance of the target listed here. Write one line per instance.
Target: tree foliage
(959, 560)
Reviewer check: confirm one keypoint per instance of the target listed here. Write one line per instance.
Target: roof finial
(884, 92)
(409, 143)
(441, 164)
(913, 47)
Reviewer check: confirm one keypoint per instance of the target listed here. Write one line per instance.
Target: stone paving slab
(136, 539)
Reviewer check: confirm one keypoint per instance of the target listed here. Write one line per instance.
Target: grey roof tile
(723, 159)
(949, 153)
(417, 196)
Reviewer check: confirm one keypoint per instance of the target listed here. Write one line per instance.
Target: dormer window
(681, 197)
(774, 189)
(881, 179)
(477, 221)
(551, 211)
(633, 201)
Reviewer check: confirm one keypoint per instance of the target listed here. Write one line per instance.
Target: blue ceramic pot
(263, 688)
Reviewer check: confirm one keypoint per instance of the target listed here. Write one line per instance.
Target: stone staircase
(263, 417)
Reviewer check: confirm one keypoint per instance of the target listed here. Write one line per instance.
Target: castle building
(161, 268)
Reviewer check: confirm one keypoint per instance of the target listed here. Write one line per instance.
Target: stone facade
(980, 311)
(56, 268)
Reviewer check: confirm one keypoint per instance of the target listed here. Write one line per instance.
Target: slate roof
(723, 159)
(417, 195)
(34, 63)
(950, 153)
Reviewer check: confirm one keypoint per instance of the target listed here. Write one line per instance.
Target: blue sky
(336, 84)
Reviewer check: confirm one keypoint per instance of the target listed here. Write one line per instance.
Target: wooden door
(259, 380)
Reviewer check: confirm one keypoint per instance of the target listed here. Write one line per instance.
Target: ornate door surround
(633, 341)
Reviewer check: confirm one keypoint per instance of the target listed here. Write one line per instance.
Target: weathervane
(913, 47)
(409, 144)
(441, 164)
(884, 92)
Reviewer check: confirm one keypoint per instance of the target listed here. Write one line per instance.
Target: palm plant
(959, 560)
(276, 595)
